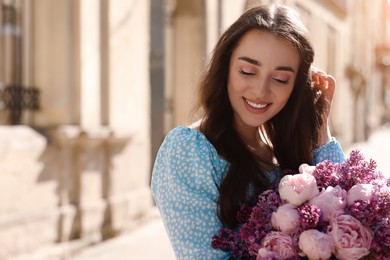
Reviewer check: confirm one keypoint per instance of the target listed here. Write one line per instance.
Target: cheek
(234, 87)
(231, 93)
(284, 94)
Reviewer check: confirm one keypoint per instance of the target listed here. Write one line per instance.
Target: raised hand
(326, 84)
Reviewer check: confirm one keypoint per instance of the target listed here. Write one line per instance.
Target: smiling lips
(256, 107)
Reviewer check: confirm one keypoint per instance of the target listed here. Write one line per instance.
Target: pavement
(150, 240)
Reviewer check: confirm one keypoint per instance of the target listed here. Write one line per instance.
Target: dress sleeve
(185, 184)
(331, 151)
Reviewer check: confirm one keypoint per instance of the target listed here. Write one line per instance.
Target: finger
(323, 83)
(317, 71)
(328, 85)
(315, 79)
(331, 82)
(316, 74)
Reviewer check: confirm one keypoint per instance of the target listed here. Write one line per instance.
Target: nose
(261, 87)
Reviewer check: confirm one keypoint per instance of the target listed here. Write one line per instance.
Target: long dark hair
(293, 132)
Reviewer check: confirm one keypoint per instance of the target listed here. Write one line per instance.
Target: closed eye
(281, 81)
(246, 72)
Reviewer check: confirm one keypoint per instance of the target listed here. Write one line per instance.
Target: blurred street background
(89, 89)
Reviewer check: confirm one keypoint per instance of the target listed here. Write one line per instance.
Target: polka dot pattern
(185, 184)
(330, 151)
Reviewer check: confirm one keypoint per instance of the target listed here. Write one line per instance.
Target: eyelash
(246, 73)
(277, 80)
(282, 81)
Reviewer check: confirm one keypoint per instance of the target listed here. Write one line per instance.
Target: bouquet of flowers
(328, 211)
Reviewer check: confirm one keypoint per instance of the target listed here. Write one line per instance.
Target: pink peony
(280, 243)
(360, 192)
(331, 201)
(286, 218)
(352, 239)
(315, 244)
(298, 188)
(265, 254)
(305, 168)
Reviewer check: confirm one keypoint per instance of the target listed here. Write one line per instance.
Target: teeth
(255, 105)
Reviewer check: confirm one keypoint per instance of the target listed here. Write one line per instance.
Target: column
(90, 64)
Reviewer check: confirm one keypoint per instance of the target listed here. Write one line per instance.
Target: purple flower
(361, 210)
(228, 240)
(269, 200)
(244, 213)
(356, 170)
(309, 216)
(374, 210)
(253, 232)
(381, 242)
(380, 202)
(325, 174)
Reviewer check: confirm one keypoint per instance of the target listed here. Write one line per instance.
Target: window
(15, 94)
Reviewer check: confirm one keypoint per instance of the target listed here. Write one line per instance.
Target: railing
(16, 98)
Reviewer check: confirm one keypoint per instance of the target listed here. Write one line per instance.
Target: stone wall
(65, 191)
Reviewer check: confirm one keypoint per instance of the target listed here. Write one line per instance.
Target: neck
(252, 139)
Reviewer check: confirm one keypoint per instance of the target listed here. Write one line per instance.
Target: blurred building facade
(90, 88)
(77, 170)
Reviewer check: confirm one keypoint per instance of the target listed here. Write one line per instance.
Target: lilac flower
(228, 240)
(325, 174)
(380, 202)
(269, 199)
(381, 242)
(356, 170)
(371, 211)
(224, 239)
(253, 232)
(309, 216)
(361, 210)
(244, 213)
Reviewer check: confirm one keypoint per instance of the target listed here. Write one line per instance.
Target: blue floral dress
(185, 184)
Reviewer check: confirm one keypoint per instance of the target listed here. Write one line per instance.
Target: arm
(185, 190)
(327, 85)
(330, 151)
(331, 148)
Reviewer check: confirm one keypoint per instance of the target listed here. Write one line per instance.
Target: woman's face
(262, 74)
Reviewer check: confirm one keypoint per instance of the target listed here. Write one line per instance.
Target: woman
(265, 110)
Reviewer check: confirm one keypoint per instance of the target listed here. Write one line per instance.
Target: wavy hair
(293, 133)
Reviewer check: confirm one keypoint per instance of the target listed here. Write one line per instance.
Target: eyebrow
(285, 68)
(250, 60)
(257, 63)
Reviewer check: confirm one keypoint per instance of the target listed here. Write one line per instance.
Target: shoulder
(189, 142)
(187, 156)
(181, 134)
